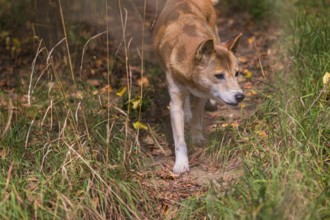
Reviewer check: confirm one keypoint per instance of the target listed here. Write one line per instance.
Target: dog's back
(179, 30)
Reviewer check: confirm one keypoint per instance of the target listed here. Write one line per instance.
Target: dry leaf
(3, 153)
(139, 125)
(251, 93)
(242, 105)
(136, 103)
(234, 125)
(96, 201)
(326, 83)
(77, 95)
(247, 73)
(248, 85)
(251, 40)
(122, 91)
(93, 82)
(143, 81)
(105, 89)
(243, 59)
(262, 134)
(326, 78)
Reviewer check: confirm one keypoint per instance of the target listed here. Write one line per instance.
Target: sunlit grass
(286, 173)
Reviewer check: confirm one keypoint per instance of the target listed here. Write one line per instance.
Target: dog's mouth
(232, 103)
(227, 103)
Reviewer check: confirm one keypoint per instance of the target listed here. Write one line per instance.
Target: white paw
(181, 165)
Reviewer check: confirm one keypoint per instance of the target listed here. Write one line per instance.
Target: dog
(185, 36)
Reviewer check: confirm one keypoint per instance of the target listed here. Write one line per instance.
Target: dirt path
(167, 189)
(255, 55)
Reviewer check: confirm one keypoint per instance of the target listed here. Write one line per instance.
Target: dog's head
(216, 71)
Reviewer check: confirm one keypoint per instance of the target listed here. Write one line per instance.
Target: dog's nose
(239, 97)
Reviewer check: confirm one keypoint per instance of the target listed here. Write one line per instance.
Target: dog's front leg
(178, 95)
(197, 121)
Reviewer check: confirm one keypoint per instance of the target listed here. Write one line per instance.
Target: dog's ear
(205, 50)
(232, 43)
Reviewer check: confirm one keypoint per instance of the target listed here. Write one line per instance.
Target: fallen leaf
(248, 85)
(99, 62)
(251, 40)
(105, 89)
(247, 73)
(234, 125)
(251, 93)
(326, 78)
(243, 59)
(3, 153)
(139, 125)
(136, 103)
(262, 134)
(122, 91)
(326, 83)
(143, 81)
(93, 82)
(77, 95)
(96, 201)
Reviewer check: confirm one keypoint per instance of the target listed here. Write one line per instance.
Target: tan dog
(185, 38)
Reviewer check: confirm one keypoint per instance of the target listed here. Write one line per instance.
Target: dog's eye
(237, 74)
(220, 76)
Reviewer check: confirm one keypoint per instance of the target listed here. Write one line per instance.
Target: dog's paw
(187, 117)
(197, 139)
(181, 166)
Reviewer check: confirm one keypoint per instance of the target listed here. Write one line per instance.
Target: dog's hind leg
(196, 129)
(187, 110)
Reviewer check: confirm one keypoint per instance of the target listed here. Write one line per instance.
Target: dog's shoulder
(181, 27)
(174, 12)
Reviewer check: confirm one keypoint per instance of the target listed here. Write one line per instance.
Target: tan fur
(186, 40)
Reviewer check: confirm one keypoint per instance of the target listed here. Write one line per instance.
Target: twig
(157, 143)
(84, 49)
(51, 51)
(67, 44)
(10, 110)
(28, 134)
(8, 177)
(32, 71)
(259, 59)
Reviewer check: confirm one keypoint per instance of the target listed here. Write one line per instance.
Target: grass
(53, 166)
(71, 154)
(286, 173)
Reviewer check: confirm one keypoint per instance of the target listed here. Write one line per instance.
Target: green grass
(65, 171)
(286, 173)
(69, 157)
